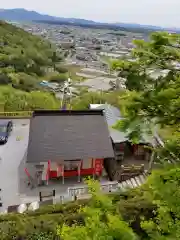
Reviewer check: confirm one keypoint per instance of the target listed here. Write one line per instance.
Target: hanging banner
(98, 166)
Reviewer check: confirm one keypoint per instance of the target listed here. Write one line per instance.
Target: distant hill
(21, 14)
(135, 25)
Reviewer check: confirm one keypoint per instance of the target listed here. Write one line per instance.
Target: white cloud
(154, 12)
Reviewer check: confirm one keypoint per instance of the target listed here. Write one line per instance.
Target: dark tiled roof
(68, 135)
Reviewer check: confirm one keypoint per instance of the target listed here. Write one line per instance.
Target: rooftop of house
(113, 115)
(68, 135)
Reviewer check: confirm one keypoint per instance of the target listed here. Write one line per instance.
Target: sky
(163, 13)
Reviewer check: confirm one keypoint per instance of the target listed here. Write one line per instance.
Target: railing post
(40, 197)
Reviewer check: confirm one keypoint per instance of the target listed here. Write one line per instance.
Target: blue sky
(154, 12)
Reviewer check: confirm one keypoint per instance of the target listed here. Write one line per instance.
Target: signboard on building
(60, 170)
(98, 166)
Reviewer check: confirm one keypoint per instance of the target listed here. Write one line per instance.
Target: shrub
(41, 236)
(25, 82)
(61, 69)
(69, 208)
(4, 79)
(132, 205)
(59, 78)
(23, 51)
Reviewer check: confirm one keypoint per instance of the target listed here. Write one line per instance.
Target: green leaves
(163, 188)
(102, 222)
(158, 100)
(23, 51)
(16, 100)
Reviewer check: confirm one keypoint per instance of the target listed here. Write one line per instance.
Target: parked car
(5, 130)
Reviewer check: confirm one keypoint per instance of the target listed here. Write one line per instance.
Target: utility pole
(67, 94)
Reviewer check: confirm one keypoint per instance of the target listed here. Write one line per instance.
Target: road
(11, 155)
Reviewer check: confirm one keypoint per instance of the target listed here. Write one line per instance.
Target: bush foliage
(12, 100)
(45, 220)
(23, 57)
(23, 51)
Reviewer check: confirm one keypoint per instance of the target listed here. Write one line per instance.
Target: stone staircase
(123, 173)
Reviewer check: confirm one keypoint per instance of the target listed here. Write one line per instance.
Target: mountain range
(20, 14)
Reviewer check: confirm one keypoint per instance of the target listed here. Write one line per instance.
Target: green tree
(101, 221)
(24, 52)
(163, 189)
(40, 236)
(61, 69)
(25, 82)
(16, 100)
(157, 101)
(59, 78)
(86, 98)
(42, 100)
(4, 79)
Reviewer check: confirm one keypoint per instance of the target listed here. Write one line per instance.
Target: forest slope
(22, 52)
(23, 59)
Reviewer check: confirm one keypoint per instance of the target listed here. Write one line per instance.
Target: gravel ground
(11, 154)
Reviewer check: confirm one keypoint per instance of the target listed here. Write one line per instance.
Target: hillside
(24, 54)
(23, 59)
(13, 100)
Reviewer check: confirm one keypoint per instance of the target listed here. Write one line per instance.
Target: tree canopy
(24, 57)
(154, 102)
(163, 189)
(12, 100)
(86, 98)
(101, 221)
(22, 51)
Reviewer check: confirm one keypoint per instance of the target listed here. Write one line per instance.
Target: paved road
(11, 154)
